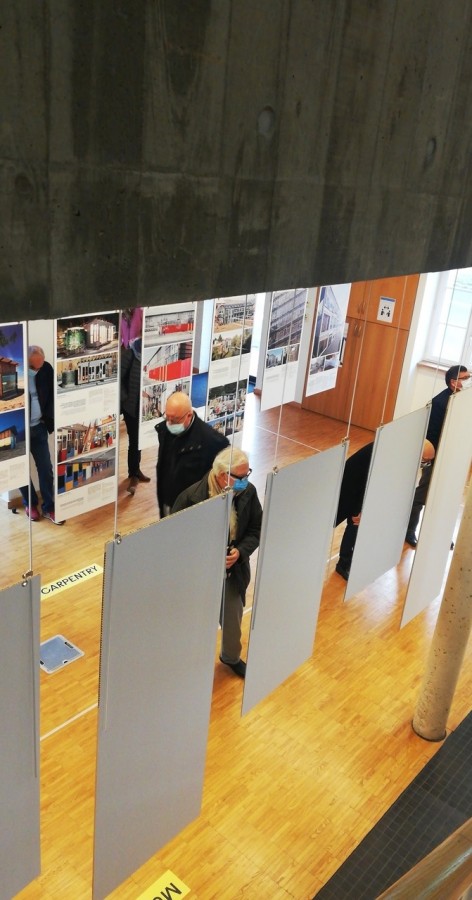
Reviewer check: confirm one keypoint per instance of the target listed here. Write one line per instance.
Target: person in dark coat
(351, 498)
(456, 378)
(129, 399)
(231, 469)
(41, 392)
(187, 448)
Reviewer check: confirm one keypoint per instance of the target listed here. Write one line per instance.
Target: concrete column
(450, 638)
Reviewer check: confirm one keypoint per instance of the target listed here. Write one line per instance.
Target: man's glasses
(174, 420)
(232, 475)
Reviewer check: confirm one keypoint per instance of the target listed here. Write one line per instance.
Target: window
(450, 334)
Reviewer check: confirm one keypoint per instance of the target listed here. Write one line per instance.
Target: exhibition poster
(286, 321)
(228, 375)
(167, 361)
(329, 338)
(14, 406)
(86, 412)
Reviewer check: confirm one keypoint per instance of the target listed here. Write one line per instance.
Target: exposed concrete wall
(158, 150)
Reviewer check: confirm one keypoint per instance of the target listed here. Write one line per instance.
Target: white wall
(419, 383)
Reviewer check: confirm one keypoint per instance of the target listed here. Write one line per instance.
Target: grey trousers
(231, 616)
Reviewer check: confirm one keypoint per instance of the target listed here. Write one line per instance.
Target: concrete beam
(152, 151)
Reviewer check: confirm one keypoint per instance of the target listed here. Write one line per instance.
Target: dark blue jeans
(39, 448)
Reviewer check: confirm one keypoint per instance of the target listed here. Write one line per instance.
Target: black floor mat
(436, 802)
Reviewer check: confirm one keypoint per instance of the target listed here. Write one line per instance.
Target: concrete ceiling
(153, 151)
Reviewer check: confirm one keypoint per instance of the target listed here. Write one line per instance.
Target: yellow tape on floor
(68, 581)
(167, 887)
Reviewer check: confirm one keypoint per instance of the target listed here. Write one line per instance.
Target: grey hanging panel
(299, 511)
(19, 737)
(162, 594)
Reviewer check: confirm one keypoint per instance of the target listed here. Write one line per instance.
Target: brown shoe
(141, 477)
(132, 485)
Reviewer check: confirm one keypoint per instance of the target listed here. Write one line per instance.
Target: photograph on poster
(316, 365)
(227, 346)
(163, 324)
(12, 434)
(292, 353)
(84, 439)
(286, 317)
(276, 357)
(86, 371)
(87, 335)
(226, 402)
(153, 399)
(230, 314)
(168, 362)
(155, 396)
(84, 472)
(329, 326)
(12, 373)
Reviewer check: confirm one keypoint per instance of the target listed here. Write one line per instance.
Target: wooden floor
(291, 788)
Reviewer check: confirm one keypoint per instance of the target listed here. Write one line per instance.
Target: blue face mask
(175, 429)
(240, 484)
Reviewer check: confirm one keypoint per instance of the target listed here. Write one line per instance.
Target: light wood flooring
(291, 788)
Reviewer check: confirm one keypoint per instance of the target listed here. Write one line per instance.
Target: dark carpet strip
(436, 802)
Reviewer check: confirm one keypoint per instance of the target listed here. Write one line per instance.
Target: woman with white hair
(231, 470)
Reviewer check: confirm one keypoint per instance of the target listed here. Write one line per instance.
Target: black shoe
(411, 539)
(239, 668)
(132, 485)
(342, 570)
(142, 477)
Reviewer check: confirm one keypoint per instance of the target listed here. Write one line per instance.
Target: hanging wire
(356, 329)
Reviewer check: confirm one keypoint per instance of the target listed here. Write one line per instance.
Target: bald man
(351, 498)
(187, 448)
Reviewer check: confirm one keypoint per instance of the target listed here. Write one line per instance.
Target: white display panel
(297, 527)
(444, 498)
(19, 737)
(387, 502)
(162, 595)
(86, 412)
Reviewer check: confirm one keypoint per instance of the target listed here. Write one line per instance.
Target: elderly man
(187, 448)
(231, 470)
(351, 498)
(457, 377)
(41, 392)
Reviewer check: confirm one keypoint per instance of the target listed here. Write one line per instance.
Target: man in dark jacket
(456, 378)
(231, 469)
(187, 448)
(129, 404)
(351, 498)
(41, 393)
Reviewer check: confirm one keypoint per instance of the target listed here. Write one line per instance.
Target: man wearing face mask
(187, 448)
(457, 378)
(231, 470)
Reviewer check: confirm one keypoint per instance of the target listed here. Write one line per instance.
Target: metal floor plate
(56, 653)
